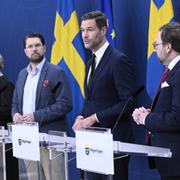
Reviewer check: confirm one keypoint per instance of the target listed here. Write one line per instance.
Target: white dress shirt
(30, 87)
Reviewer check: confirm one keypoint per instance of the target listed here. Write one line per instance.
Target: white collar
(174, 62)
(100, 52)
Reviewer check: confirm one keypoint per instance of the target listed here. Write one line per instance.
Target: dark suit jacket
(164, 123)
(6, 93)
(112, 85)
(50, 110)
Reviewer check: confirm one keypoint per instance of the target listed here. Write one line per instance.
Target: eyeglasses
(35, 45)
(155, 44)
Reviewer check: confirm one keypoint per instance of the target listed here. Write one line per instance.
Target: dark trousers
(12, 170)
(170, 177)
(120, 171)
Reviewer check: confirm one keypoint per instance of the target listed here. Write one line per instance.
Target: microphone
(53, 91)
(134, 94)
(137, 91)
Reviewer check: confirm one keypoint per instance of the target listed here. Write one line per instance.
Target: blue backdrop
(131, 18)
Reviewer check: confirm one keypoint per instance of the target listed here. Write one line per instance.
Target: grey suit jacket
(50, 109)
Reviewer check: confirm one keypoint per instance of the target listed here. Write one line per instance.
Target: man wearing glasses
(163, 119)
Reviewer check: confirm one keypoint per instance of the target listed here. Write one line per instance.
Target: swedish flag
(68, 52)
(105, 6)
(161, 12)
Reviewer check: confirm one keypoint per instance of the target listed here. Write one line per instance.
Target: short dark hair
(33, 35)
(171, 34)
(100, 18)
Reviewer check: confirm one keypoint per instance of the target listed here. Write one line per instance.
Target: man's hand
(89, 121)
(78, 123)
(139, 115)
(28, 117)
(17, 117)
(81, 122)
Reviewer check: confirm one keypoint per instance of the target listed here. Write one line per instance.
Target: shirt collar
(174, 62)
(99, 53)
(38, 67)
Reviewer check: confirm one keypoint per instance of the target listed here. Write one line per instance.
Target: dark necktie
(166, 71)
(164, 75)
(93, 67)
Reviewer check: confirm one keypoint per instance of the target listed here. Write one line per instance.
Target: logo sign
(25, 139)
(94, 151)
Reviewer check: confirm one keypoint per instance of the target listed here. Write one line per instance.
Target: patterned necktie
(93, 67)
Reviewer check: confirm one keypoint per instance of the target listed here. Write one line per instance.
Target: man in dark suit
(163, 120)
(107, 90)
(35, 97)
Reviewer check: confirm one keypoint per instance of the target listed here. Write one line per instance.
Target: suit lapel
(21, 88)
(169, 78)
(40, 82)
(100, 67)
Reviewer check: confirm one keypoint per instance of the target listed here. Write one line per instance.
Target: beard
(36, 58)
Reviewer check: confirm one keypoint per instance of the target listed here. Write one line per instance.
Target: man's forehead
(158, 37)
(88, 21)
(32, 39)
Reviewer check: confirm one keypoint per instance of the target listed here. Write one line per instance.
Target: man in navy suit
(107, 90)
(42, 93)
(163, 120)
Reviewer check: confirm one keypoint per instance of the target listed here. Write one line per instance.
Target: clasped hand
(139, 115)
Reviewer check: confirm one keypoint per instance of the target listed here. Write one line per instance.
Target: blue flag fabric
(105, 6)
(161, 12)
(68, 53)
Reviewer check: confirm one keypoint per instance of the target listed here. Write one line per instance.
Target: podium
(8, 164)
(94, 147)
(2, 153)
(38, 158)
(86, 139)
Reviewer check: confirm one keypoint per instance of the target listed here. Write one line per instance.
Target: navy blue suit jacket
(50, 109)
(111, 86)
(164, 123)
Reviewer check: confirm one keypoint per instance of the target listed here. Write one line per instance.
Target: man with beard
(35, 98)
(163, 119)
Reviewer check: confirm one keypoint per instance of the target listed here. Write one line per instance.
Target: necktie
(166, 71)
(164, 75)
(93, 67)
(162, 80)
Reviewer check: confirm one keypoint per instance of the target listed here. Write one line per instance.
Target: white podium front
(38, 160)
(25, 138)
(94, 151)
(25, 141)
(86, 142)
